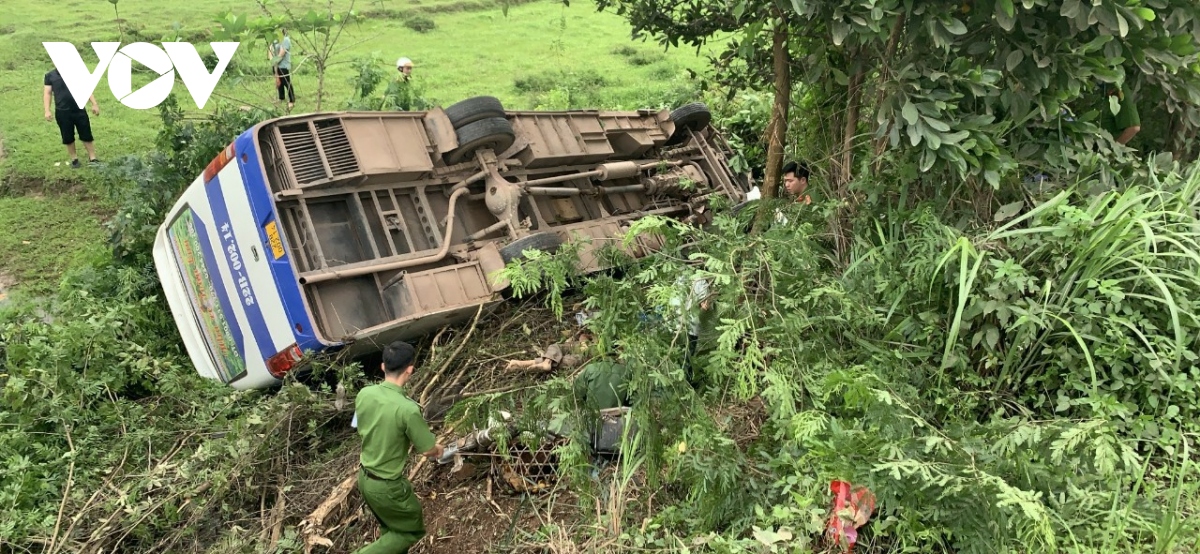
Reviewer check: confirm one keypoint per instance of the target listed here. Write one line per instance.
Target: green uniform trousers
(401, 523)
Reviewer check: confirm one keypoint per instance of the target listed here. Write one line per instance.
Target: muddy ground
(469, 510)
(474, 511)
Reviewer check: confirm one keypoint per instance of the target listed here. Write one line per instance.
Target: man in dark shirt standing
(69, 116)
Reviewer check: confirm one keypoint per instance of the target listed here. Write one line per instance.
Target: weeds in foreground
(1028, 387)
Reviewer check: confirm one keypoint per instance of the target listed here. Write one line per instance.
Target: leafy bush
(420, 24)
(624, 50)
(398, 95)
(102, 417)
(1024, 386)
(663, 71)
(368, 75)
(743, 121)
(1080, 307)
(588, 81)
(101, 392)
(638, 57)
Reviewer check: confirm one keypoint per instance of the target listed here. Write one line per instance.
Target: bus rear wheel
(494, 133)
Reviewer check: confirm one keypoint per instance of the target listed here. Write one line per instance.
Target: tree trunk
(320, 83)
(777, 129)
(844, 164)
(853, 107)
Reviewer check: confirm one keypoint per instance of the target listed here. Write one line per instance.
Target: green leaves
(840, 30)
(955, 27)
(969, 263)
(936, 124)
(1071, 9)
(233, 27)
(1014, 59)
(1006, 6)
(1003, 13)
(910, 113)
(107, 387)
(540, 272)
(1007, 211)
(313, 20)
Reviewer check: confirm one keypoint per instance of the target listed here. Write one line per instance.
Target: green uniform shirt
(602, 385)
(1125, 118)
(389, 422)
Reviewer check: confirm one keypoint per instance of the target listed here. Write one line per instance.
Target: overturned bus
(351, 230)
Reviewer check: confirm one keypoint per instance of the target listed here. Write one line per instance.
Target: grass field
(43, 236)
(537, 55)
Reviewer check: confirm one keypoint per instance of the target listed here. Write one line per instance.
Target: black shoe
(75, 164)
(93, 162)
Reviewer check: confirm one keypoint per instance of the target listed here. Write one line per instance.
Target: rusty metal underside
(390, 242)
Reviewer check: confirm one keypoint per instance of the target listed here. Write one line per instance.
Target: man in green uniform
(602, 385)
(795, 181)
(602, 388)
(389, 423)
(1126, 122)
(402, 93)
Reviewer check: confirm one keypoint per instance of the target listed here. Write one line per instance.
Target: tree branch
(881, 88)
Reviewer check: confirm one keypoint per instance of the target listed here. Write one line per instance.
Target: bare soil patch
(473, 509)
(7, 282)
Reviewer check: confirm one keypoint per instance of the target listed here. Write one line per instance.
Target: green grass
(469, 53)
(474, 50)
(43, 236)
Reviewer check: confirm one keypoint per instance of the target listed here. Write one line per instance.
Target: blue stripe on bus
(288, 282)
(237, 268)
(210, 263)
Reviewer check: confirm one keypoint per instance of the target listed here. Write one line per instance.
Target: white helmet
(403, 62)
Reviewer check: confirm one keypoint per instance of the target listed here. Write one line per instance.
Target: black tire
(495, 133)
(694, 116)
(474, 109)
(546, 242)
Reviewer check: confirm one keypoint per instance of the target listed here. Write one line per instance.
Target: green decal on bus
(188, 250)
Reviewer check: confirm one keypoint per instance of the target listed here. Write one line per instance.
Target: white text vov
(118, 60)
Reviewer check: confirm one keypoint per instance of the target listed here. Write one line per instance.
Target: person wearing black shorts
(69, 116)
